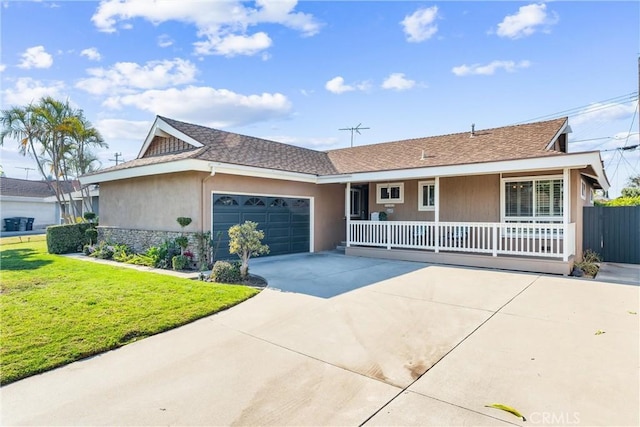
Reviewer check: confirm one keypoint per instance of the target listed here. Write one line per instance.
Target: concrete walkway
(628, 274)
(429, 347)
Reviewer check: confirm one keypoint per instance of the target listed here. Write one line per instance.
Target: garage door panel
(285, 221)
(259, 217)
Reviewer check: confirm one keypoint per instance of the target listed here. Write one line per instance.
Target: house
(508, 197)
(21, 198)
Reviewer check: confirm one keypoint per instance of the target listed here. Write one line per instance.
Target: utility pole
(356, 129)
(117, 158)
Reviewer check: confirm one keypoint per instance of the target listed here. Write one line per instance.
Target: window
(390, 193)
(426, 195)
(533, 200)
(583, 190)
(225, 201)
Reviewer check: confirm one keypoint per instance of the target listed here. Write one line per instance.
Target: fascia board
(24, 199)
(161, 128)
(575, 161)
(147, 170)
(198, 166)
(230, 169)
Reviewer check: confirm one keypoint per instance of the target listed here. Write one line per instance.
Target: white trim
(347, 212)
(564, 129)
(537, 164)
(388, 185)
(311, 209)
(421, 185)
(27, 199)
(583, 189)
(164, 129)
(198, 166)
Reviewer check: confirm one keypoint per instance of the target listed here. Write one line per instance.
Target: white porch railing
(495, 238)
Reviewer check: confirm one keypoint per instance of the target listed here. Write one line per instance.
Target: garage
(284, 220)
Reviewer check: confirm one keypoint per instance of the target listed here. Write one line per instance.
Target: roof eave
(571, 161)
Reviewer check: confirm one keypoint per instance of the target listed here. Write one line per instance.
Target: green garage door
(285, 221)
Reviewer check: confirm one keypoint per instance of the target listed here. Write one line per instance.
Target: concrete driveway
(432, 346)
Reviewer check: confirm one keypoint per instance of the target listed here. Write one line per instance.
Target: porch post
(566, 203)
(436, 216)
(347, 211)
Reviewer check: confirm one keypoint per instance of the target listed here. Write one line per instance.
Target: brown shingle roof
(27, 188)
(498, 144)
(227, 147)
(505, 143)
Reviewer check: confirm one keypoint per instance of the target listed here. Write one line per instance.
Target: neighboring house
(37, 200)
(508, 197)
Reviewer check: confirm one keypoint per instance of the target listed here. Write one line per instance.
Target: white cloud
(397, 81)
(527, 21)
(28, 90)
(36, 57)
(164, 40)
(603, 113)
(420, 25)
(2, 67)
(129, 130)
(217, 23)
(336, 85)
(490, 68)
(92, 54)
(206, 105)
(233, 45)
(129, 76)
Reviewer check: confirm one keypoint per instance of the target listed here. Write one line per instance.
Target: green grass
(55, 310)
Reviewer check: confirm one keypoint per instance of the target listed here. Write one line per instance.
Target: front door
(359, 208)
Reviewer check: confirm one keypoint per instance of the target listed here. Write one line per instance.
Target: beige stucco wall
(328, 201)
(466, 198)
(154, 202)
(151, 202)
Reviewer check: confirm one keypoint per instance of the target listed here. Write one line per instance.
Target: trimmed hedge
(67, 238)
(226, 272)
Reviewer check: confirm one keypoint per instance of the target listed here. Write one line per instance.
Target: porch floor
(501, 262)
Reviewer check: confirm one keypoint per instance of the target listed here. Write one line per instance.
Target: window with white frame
(426, 195)
(583, 190)
(537, 199)
(390, 193)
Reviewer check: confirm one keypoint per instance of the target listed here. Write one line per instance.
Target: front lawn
(55, 310)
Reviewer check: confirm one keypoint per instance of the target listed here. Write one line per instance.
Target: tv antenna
(117, 158)
(26, 169)
(356, 129)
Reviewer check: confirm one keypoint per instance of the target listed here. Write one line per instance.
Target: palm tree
(21, 124)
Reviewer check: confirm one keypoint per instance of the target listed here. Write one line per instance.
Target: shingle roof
(505, 143)
(27, 188)
(498, 144)
(227, 147)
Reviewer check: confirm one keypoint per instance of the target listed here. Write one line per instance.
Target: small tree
(246, 241)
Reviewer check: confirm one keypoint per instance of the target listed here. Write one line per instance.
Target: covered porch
(395, 224)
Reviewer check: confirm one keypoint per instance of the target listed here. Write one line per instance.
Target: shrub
(141, 259)
(121, 253)
(182, 241)
(180, 262)
(92, 235)
(163, 254)
(67, 238)
(183, 221)
(103, 250)
(226, 272)
(89, 217)
(591, 256)
(246, 241)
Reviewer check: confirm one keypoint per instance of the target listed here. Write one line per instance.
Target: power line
(576, 111)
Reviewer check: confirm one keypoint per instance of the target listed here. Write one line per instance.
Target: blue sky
(297, 72)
